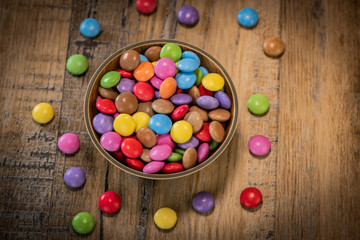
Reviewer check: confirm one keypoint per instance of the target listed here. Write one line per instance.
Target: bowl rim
(170, 176)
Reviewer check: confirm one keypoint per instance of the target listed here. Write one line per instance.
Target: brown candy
(194, 93)
(195, 120)
(202, 112)
(147, 137)
(189, 158)
(129, 60)
(108, 93)
(126, 103)
(145, 156)
(153, 53)
(146, 107)
(163, 106)
(217, 131)
(220, 115)
(274, 47)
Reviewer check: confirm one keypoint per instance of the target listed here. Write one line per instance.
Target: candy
(179, 151)
(203, 134)
(160, 123)
(141, 120)
(125, 74)
(75, 177)
(145, 156)
(153, 53)
(147, 137)
(190, 54)
(143, 58)
(135, 164)
(109, 202)
(168, 88)
(217, 131)
(204, 92)
(156, 82)
(111, 141)
(203, 202)
(207, 102)
(202, 112)
(188, 15)
(250, 197)
(110, 79)
(108, 93)
(98, 98)
(126, 103)
(273, 47)
(213, 82)
(83, 223)
(213, 145)
(259, 145)
(172, 168)
(160, 152)
(77, 64)
(165, 139)
(144, 91)
(189, 158)
(146, 6)
(125, 85)
(118, 155)
(129, 60)
(199, 76)
(43, 113)
(185, 80)
(157, 94)
(203, 152)
(69, 143)
(204, 71)
(162, 106)
(165, 218)
(174, 157)
(153, 167)
(220, 115)
(131, 148)
(172, 51)
(106, 106)
(195, 120)
(223, 99)
(164, 68)
(258, 104)
(193, 142)
(90, 27)
(180, 99)
(146, 107)
(179, 112)
(144, 72)
(247, 17)
(181, 131)
(194, 93)
(187, 65)
(124, 125)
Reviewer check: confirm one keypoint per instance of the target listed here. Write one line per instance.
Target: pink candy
(202, 152)
(164, 68)
(160, 152)
(69, 143)
(165, 139)
(259, 145)
(111, 141)
(153, 167)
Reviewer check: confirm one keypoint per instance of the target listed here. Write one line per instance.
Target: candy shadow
(75, 189)
(260, 157)
(166, 230)
(253, 209)
(205, 214)
(260, 115)
(273, 57)
(250, 28)
(188, 26)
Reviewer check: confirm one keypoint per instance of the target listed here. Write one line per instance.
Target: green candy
(175, 157)
(179, 150)
(83, 223)
(172, 51)
(213, 145)
(110, 79)
(199, 76)
(222, 89)
(77, 64)
(258, 104)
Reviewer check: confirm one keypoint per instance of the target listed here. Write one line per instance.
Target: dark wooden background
(310, 181)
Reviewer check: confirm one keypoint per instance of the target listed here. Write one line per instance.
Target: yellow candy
(165, 218)
(153, 63)
(213, 82)
(181, 131)
(124, 124)
(141, 120)
(43, 113)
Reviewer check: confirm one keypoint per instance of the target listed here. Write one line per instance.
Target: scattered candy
(43, 113)
(258, 104)
(109, 202)
(165, 218)
(248, 17)
(188, 15)
(75, 177)
(274, 47)
(90, 28)
(69, 143)
(83, 223)
(146, 6)
(250, 197)
(259, 145)
(77, 64)
(203, 202)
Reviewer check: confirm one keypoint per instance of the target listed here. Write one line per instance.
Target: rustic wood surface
(310, 181)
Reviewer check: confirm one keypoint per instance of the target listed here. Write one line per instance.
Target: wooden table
(310, 181)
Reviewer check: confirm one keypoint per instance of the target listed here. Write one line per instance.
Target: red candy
(146, 6)
(204, 92)
(144, 91)
(172, 168)
(119, 156)
(125, 74)
(131, 148)
(204, 134)
(135, 164)
(250, 197)
(179, 90)
(109, 202)
(106, 106)
(179, 112)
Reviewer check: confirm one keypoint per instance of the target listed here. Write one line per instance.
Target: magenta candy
(164, 68)
(193, 142)
(165, 139)
(116, 114)
(153, 167)
(125, 85)
(202, 152)
(69, 143)
(156, 82)
(160, 152)
(259, 145)
(111, 141)
(98, 98)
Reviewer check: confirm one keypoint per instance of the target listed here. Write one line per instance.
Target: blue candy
(248, 17)
(143, 58)
(185, 80)
(160, 123)
(90, 28)
(204, 71)
(190, 54)
(187, 65)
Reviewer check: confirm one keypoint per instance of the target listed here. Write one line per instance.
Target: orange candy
(144, 72)
(168, 88)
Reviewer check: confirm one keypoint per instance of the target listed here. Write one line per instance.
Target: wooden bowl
(112, 63)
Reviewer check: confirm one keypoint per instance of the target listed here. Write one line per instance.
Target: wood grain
(309, 181)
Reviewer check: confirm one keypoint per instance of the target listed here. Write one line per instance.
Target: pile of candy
(165, 115)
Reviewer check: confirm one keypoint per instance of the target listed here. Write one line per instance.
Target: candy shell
(185, 80)
(250, 197)
(168, 88)
(146, 107)
(188, 15)
(190, 54)
(199, 76)
(106, 106)
(147, 137)
(108, 93)
(179, 112)
(111, 141)
(172, 51)
(146, 6)
(77, 64)
(157, 94)
(175, 157)
(202, 152)
(118, 155)
(43, 113)
(156, 82)
(181, 131)
(193, 142)
(160, 123)
(103, 123)
(213, 82)
(144, 72)
(204, 92)
(131, 148)
(145, 156)
(144, 91)
(90, 28)
(75, 177)
(165, 139)
(143, 58)
(141, 120)
(83, 223)
(179, 90)
(129, 60)
(258, 104)
(203, 202)
(180, 99)
(163, 106)
(274, 47)
(135, 164)
(202, 112)
(125, 85)
(98, 98)
(109, 202)
(259, 145)
(217, 131)
(124, 124)
(110, 79)
(164, 68)
(179, 151)
(203, 134)
(187, 65)
(194, 93)
(220, 115)
(69, 143)
(172, 168)
(125, 74)
(223, 98)
(247, 17)
(195, 120)
(165, 218)
(213, 145)
(126, 102)
(160, 152)
(153, 167)
(153, 53)
(189, 158)
(207, 102)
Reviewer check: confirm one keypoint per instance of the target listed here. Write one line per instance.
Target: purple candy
(193, 142)
(164, 68)
(188, 15)
(111, 141)
(165, 139)
(103, 123)
(157, 94)
(125, 85)
(181, 98)
(98, 98)
(207, 102)
(203, 202)
(156, 82)
(160, 152)
(153, 167)
(75, 177)
(223, 99)
(202, 152)
(259, 145)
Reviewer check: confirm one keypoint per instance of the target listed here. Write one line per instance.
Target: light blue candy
(90, 28)
(190, 54)
(143, 58)
(204, 71)
(185, 80)
(187, 65)
(160, 123)
(248, 17)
